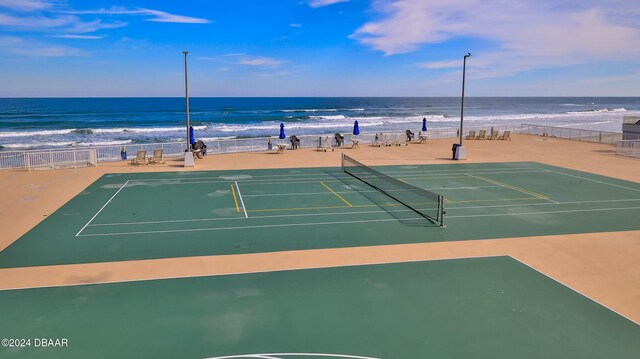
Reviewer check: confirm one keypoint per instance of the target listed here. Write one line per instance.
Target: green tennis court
(494, 307)
(159, 215)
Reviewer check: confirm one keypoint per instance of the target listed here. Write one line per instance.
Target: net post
(441, 205)
(342, 161)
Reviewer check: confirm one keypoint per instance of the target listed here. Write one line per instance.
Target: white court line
(346, 213)
(596, 181)
(350, 222)
(241, 201)
(297, 175)
(95, 215)
(575, 290)
(513, 188)
(356, 191)
(282, 355)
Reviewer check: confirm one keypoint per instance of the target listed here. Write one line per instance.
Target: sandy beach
(602, 266)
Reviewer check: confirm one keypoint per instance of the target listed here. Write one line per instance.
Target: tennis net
(427, 204)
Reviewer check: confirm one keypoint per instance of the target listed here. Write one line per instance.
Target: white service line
(96, 215)
(241, 200)
(596, 181)
(350, 222)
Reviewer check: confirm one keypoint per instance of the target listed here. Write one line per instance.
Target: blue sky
(319, 47)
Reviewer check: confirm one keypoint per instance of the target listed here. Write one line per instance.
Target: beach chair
(482, 135)
(494, 135)
(388, 140)
(506, 135)
(325, 144)
(157, 157)
(339, 139)
(410, 135)
(471, 135)
(141, 158)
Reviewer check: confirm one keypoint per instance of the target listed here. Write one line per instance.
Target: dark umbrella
(356, 129)
(192, 138)
(424, 124)
(282, 135)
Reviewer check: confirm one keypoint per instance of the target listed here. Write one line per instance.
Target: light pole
(186, 92)
(464, 68)
(188, 155)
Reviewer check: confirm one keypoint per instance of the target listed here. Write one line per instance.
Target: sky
(87, 48)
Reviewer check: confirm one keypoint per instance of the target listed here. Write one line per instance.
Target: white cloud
(321, 3)
(81, 37)
(244, 59)
(156, 15)
(295, 25)
(66, 22)
(260, 61)
(19, 46)
(26, 5)
(524, 34)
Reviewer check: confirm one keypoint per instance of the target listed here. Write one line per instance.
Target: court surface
(161, 215)
(492, 307)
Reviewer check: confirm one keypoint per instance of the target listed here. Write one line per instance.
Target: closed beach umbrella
(356, 129)
(424, 124)
(282, 135)
(192, 138)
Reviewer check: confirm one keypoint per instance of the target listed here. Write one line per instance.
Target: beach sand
(602, 266)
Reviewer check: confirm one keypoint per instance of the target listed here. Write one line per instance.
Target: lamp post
(464, 67)
(186, 92)
(188, 155)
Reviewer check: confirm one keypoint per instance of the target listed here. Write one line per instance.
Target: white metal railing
(576, 134)
(114, 153)
(51, 159)
(629, 148)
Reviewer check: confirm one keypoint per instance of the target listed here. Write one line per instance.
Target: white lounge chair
(157, 157)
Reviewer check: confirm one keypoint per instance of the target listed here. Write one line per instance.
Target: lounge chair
(157, 157)
(471, 135)
(506, 135)
(141, 158)
(388, 140)
(494, 135)
(325, 144)
(339, 139)
(482, 135)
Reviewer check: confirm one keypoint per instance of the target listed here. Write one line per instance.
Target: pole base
(188, 159)
(461, 153)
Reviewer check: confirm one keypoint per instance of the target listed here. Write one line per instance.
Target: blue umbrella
(424, 124)
(282, 135)
(356, 129)
(192, 138)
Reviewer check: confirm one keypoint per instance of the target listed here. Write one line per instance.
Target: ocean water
(66, 122)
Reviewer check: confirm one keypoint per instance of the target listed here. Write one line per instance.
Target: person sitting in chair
(295, 142)
(409, 135)
(339, 139)
(201, 147)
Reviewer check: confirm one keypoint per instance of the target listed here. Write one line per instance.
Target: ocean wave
(104, 143)
(602, 110)
(311, 110)
(330, 117)
(37, 145)
(37, 133)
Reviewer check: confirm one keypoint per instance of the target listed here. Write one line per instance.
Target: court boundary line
(345, 222)
(351, 213)
(597, 181)
(573, 289)
(296, 268)
(103, 207)
(241, 200)
(512, 187)
(508, 170)
(235, 200)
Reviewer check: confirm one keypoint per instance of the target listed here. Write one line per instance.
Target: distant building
(631, 127)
